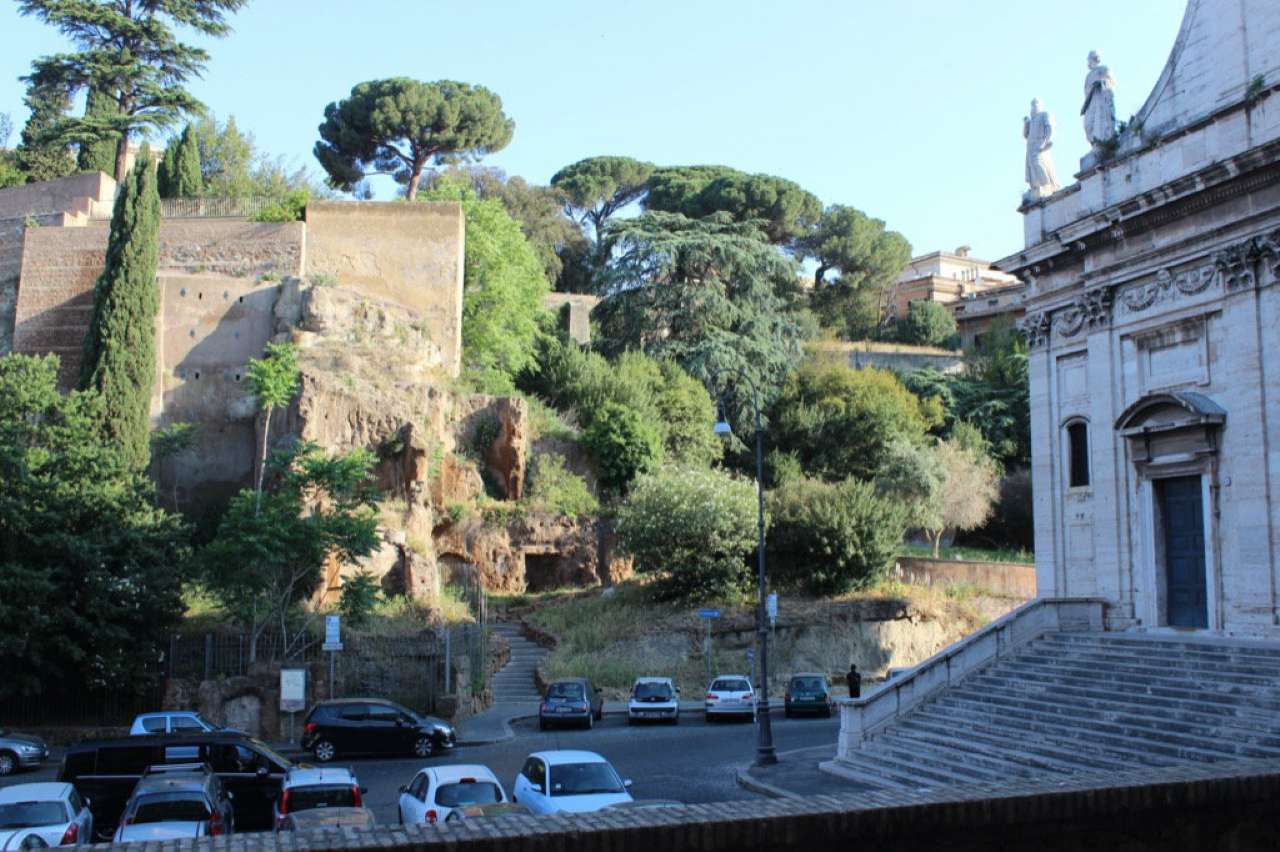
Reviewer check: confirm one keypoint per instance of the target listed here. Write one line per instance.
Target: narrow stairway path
(515, 693)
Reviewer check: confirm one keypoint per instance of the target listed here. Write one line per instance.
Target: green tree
(90, 568)
(268, 555)
(400, 126)
(623, 444)
(129, 50)
(226, 158)
(832, 537)
(710, 294)
(274, 379)
(552, 488)
(927, 323)
(359, 596)
(692, 530)
(911, 473)
(597, 187)
(503, 286)
(969, 491)
(868, 259)
(187, 181)
(39, 157)
(782, 207)
(99, 155)
(119, 360)
(839, 421)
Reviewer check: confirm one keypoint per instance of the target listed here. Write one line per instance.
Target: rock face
(506, 456)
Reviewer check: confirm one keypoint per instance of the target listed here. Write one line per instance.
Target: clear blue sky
(908, 109)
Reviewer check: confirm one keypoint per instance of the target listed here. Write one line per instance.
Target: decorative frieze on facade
(1167, 284)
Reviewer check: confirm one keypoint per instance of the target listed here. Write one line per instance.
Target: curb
(749, 782)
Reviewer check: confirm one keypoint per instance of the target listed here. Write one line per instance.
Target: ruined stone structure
(1153, 316)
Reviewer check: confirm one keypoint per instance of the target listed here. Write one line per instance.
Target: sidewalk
(796, 776)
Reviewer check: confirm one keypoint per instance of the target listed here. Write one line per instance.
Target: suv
(106, 771)
(808, 692)
(309, 789)
(370, 726)
(175, 802)
(654, 698)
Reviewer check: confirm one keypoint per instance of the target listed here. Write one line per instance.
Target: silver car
(20, 751)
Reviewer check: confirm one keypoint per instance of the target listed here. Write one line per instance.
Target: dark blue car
(570, 701)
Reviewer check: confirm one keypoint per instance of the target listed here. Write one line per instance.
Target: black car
(372, 726)
(571, 700)
(106, 771)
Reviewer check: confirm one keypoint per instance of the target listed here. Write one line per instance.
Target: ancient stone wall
(89, 193)
(1004, 578)
(410, 254)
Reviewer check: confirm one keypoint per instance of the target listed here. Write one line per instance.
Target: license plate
(564, 709)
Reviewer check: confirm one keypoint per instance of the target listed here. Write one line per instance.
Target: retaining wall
(1004, 578)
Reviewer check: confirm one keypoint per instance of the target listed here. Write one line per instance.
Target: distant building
(944, 277)
(975, 313)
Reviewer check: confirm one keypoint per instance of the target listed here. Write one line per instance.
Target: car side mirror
(538, 788)
(626, 783)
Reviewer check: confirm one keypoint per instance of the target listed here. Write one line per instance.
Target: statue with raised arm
(1099, 108)
(1037, 129)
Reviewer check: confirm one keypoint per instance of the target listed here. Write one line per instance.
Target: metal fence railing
(213, 208)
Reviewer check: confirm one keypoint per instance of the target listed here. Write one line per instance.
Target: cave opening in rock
(543, 571)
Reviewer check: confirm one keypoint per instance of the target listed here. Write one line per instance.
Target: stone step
(936, 761)
(886, 772)
(1119, 738)
(1118, 667)
(929, 735)
(992, 767)
(1169, 663)
(1259, 652)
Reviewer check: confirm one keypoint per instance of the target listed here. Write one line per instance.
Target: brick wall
(1004, 578)
(69, 194)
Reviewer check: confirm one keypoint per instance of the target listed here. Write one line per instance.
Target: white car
(171, 722)
(437, 790)
(568, 781)
(654, 699)
(305, 789)
(730, 695)
(53, 810)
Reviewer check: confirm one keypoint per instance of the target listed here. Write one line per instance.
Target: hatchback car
(571, 701)
(20, 751)
(730, 695)
(808, 693)
(55, 810)
(174, 804)
(171, 722)
(568, 781)
(322, 819)
(21, 840)
(436, 791)
(307, 789)
(654, 699)
(372, 726)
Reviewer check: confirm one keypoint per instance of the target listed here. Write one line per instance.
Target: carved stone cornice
(1166, 284)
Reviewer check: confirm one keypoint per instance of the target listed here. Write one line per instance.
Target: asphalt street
(690, 762)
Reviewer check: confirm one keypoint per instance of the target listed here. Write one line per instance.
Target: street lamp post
(766, 755)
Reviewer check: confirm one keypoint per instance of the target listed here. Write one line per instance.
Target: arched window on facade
(1078, 454)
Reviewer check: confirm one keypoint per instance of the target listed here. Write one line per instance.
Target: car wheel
(828, 713)
(422, 747)
(591, 721)
(787, 713)
(542, 724)
(630, 721)
(675, 720)
(324, 751)
(8, 762)
(600, 714)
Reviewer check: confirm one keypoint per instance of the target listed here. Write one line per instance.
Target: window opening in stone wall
(1078, 438)
(543, 571)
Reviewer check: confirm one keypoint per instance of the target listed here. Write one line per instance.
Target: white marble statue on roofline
(1099, 108)
(1037, 129)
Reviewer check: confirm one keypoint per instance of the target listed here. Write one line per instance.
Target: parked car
(808, 692)
(571, 700)
(436, 791)
(654, 699)
(569, 781)
(54, 810)
(320, 819)
(20, 751)
(307, 789)
(372, 726)
(106, 772)
(176, 803)
(498, 809)
(730, 695)
(21, 840)
(171, 722)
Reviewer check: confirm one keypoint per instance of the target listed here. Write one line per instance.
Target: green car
(808, 693)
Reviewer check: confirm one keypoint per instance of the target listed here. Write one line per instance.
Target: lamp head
(722, 421)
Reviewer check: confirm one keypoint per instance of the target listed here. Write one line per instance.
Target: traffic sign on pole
(708, 613)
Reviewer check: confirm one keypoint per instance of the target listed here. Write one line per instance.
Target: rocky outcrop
(507, 454)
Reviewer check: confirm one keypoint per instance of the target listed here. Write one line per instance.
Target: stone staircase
(514, 683)
(1083, 702)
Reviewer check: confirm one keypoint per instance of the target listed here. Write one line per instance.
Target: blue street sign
(708, 613)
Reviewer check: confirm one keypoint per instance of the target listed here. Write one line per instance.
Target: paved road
(691, 762)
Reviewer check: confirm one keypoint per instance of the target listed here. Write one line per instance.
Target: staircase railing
(861, 717)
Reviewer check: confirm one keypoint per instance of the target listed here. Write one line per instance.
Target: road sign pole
(706, 650)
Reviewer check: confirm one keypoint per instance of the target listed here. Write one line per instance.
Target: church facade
(1153, 321)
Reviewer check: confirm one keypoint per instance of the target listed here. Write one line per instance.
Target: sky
(909, 110)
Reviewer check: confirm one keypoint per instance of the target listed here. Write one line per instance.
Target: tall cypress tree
(167, 172)
(99, 155)
(188, 182)
(37, 155)
(119, 348)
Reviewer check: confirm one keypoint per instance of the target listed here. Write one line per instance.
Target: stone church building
(1153, 320)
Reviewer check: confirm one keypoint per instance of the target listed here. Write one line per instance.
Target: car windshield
(565, 690)
(807, 684)
(653, 690)
(276, 758)
(473, 793)
(31, 814)
(169, 807)
(322, 796)
(730, 685)
(581, 779)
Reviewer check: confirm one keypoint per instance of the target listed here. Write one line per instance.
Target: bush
(623, 444)
(552, 488)
(288, 208)
(359, 598)
(832, 537)
(692, 529)
(927, 323)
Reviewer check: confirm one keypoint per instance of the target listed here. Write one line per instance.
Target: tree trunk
(414, 179)
(262, 464)
(937, 542)
(122, 156)
(817, 276)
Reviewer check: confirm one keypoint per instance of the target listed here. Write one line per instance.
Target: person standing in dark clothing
(855, 682)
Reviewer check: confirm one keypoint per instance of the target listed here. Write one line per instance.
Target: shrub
(623, 444)
(927, 323)
(552, 488)
(288, 208)
(832, 537)
(692, 529)
(359, 598)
